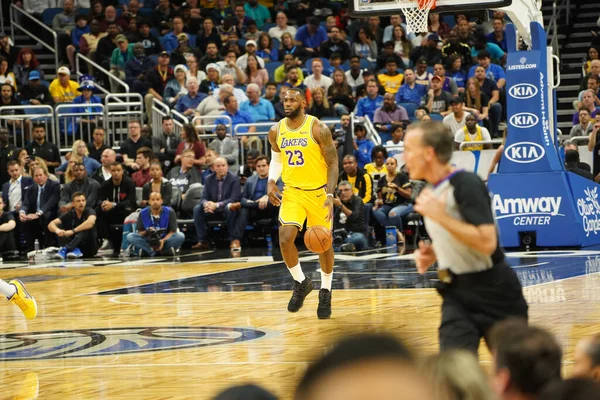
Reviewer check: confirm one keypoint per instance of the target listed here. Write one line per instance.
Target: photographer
(77, 232)
(349, 219)
(157, 229)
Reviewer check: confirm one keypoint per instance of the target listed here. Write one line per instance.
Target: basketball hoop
(416, 13)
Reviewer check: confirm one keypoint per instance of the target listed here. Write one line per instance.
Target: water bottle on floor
(36, 245)
(391, 237)
(269, 245)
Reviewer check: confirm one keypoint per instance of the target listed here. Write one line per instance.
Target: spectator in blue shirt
(260, 109)
(188, 103)
(311, 36)
(410, 91)
(362, 146)
(170, 41)
(237, 117)
(137, 66)
(497, 37)
(367, 105)
(259, 13)
(493, 72)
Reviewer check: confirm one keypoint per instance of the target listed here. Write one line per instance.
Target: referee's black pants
(472, 303)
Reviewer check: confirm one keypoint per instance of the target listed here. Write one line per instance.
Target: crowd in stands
(234, 62)
(526, 364)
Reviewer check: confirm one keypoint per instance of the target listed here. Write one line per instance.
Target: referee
(477, 286)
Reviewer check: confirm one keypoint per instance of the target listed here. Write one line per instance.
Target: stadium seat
(436, 117)
(268, 26)
(271, 67)
(410, 109)
(175, 198)
(48, 15)
(192, 40)
(190, 200)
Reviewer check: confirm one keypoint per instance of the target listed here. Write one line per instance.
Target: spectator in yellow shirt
(63, 89)
(391, 79)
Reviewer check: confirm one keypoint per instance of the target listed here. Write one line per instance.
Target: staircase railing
(557, 10)
(98, 67)
(16, 23)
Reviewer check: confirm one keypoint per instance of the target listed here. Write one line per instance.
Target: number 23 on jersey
(294, 158)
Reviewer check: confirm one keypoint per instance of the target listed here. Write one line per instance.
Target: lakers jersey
(303, 164)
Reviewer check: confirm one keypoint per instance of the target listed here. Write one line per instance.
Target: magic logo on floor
(107, 341)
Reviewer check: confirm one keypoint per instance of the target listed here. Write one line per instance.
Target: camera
(339, 235)
(154, 236)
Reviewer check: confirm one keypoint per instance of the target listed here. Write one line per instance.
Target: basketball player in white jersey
(304, 155)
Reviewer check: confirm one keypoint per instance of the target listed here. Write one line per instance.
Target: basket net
(416, 13)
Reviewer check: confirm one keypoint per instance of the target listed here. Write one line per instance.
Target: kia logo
(524, 120)
(524, 152)
(523, 91)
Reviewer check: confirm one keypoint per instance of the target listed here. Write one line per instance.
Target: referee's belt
(445, 275)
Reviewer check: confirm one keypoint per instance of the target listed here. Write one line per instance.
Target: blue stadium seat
(192, 40)
(242, 42)
(48, 15)
(436, 117)
(276, 44)
(268, 26)
(271, 67)
(410, 109)
(346, 65)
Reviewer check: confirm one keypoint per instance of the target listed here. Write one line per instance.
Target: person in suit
(13, 193)
(255, 204)
(220, 190)
(116, 200)
(40, 206)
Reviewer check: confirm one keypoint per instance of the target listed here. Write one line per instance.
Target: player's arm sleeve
(275, 167)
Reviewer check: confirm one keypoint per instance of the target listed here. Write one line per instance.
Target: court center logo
(589, 210)
(106, 341)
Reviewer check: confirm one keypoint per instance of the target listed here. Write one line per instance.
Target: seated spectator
(131, 145)
(119, 58)
(365, 45)
(7, 76)
(594, 71)
(229, 67)
(103, 173)
(171, 39)
(312, 35)
(456, 119)
(81, 28)
(35, 162)
(212, 56)
(593, 85)
(572, 165)
(498, 37)
(63, 24)
(393, 198)
(242, 61)
(213, 77)
(457, 73)
(586, 358)
(165, 142)
(335, 44)
(585, 125)
(492, 71)
(107, 44)
(188, 103)
(156, 80)
(448, 84)
(176, 87)
(237, 117)
(319, 105)
(142, 174)
(232, 44)
(464, 31)
(80, 149)
(237, 92)
(289, 46)
(391, 79)
(396, 140)
(265, 48)
(136, 67)
(183, 50)
(226, 147)
(8, 101)
(258, 13)
(349, 214)
(81, 183)
(241, 19)
(9, 51)
(220, 190)
(185, 175)
(367, 105)
(163, 221)
(362, 183)
(62, 89)
(271, 93)
(110, 17)
(476, 101)
(340, 94)
(402, 44)
(7, 153)
(387, 53)
(157, 184)
(525, 359)
(362, 146)
(13, 194)
(249, 168)
(116, 200)
(225, 26)
(587, 103)
(281, 27)
(255, 73)
(490, 89)
(317, 79)
(40, 206)
(251, 32)
(437, 100)
(42, 148)
(211, 156)
(150, 42)
(428, 51)
(84, 106)
(26, 62)
(213, 105)
(7, 230)
(377, 168)
(162, 17)
(410, 91)
(387, 115)
(258, 108)
(75, 229)
(34, 93)
(288, 61)
(190, 140)
(481, 44)
(422, 76)
(472, 133)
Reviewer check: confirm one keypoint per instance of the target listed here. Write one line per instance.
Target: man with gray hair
(238, 93)
(188, 103)
(213, 105)
(103, 173)
(349, 214)
(260, 109)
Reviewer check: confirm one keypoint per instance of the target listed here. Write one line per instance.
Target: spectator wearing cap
(84, 102)
(494, 72)
(260, 109)
(34, 93)
(387, 115)
(312, 35)
(282, 27)
(258, 13)
(429, 51)
(63, 89)
(151, 43)
(242, 61)
(63, 24)
(176, 87)
(213, 79)
(120, 56)
(157, 79)
(391, 79)
(449, 85)
(171, 39)
(211, 56)
(207, 34)
(410, 91)
(138, 65)
(188, 103)
(457, 118)
(367, 105)
(437, 100)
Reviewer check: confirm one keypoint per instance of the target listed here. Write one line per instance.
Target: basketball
(317, 239)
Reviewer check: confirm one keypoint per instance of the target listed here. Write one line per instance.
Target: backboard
(366, 8)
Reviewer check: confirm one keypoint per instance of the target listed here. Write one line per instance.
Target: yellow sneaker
(23, 299)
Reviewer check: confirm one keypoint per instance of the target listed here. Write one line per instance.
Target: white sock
(7, 289)
(326, 280)
(297, 273)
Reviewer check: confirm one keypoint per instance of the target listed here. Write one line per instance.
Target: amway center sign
(527, 211)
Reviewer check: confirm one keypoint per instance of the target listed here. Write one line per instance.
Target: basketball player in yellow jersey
(304, 155)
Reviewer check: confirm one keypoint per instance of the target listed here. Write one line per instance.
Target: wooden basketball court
(190, 327)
